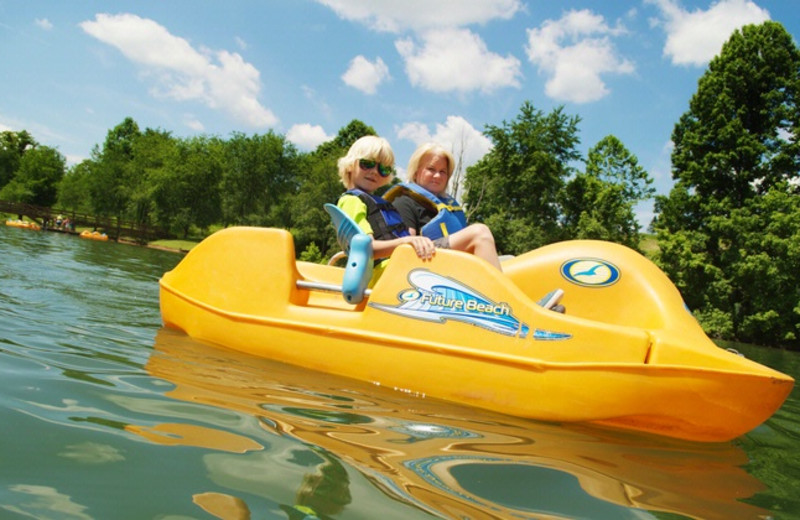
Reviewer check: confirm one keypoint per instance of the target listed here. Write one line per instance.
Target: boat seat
(357, 245)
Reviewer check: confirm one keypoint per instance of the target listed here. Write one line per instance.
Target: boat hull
(23, 224)
(94, 235)
(239, 289)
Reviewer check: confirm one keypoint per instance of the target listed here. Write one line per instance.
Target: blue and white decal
(547, 335)
(433, 297)
(590, 272)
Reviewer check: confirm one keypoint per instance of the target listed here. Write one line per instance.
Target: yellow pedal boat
(23, 224)
(626, 354)
(93, 235)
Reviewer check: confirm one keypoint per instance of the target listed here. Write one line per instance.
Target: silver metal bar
(319, 286)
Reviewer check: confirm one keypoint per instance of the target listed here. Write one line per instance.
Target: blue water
(104, 414)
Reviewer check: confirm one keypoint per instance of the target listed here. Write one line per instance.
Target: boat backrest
(357, 245)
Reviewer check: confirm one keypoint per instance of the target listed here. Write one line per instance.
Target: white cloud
(43, 23)
(307, 137)
(221, 80)
(365, 75)
(415, 132)
(467, 144)
(446, 59)
(693, 38)
(193, 123)
(73, 159)
(456, 60)
(456, 134)
(420, 15)
(574, 52)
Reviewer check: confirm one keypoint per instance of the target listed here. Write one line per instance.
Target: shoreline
(153, 246)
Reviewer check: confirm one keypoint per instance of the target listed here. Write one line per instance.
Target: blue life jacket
(385, 221)
(449, 215)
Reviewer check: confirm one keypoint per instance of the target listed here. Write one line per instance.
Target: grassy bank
(173, 245)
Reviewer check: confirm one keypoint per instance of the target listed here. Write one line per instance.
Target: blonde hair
(425, 150)
(369, 147)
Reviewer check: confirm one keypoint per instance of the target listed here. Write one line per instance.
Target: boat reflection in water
(437, 458)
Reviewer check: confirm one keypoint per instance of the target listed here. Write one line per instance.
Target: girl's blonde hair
(425, 150)
(369, 147)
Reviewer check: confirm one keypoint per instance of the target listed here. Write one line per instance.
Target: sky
(414, 70)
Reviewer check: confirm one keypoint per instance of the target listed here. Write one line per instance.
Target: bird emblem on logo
(590, 272)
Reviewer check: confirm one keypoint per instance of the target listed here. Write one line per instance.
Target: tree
(73, 191)
(153, 154)
(111, 186)
(260, 172)
(186, 190)
(736, 161)
(599, 210)
(514, 189)
(740, 135)
(345, 137)
(761, 260)
(36, 182)
(12, 147)
(611, 162)
(599, 203)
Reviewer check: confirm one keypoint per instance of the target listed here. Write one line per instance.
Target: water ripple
(159, 426)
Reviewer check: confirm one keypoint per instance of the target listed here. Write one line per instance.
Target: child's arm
(423, 246)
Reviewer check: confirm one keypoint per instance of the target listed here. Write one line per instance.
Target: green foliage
(515, 188)
(729, 229)
(734, 140)
(153, 154)
(612, 163)
(37, 178)
(598, 210)
(260, 172)
(527, 191)
(189, 185)
(345, 138)
(113, 179)
(73, 191)
(312, 254)
(762, 250)
(192, 191)
(599, 204)
(12, 147)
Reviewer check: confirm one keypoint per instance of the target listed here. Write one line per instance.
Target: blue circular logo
(409, 295)
(590, 272)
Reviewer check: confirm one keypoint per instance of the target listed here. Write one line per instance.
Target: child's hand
(423, 246)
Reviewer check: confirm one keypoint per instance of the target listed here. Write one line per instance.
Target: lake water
(104, 414)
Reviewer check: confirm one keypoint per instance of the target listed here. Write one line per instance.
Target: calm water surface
(106, 415)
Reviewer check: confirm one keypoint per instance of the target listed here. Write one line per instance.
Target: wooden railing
(113, 227)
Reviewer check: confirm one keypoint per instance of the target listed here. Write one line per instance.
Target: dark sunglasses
(383, 171)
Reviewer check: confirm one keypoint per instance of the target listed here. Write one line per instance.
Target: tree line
(728, 232)
(191, 185)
